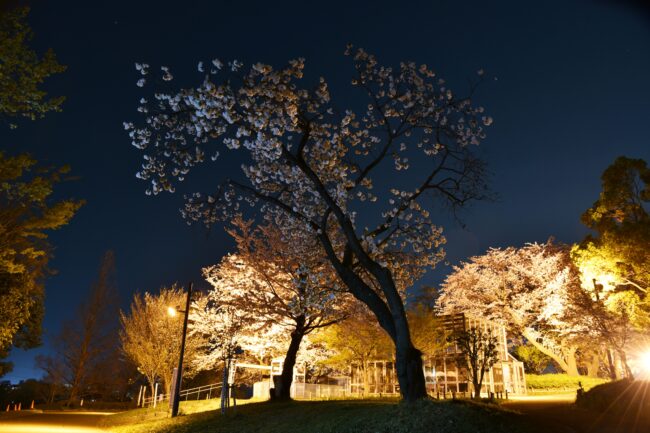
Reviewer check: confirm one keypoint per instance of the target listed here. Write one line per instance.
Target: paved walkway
(51, 422)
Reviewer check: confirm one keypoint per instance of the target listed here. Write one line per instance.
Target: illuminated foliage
(534, 360)
(22, 71)
(615, 264)
(427, 331)
(151, 337)
(527, 289)
(274, 283)
(27, 210)
(27, 214)
(356, 340)
(617, 255)
(311, 167)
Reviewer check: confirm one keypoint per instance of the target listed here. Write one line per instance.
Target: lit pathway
(51, 422)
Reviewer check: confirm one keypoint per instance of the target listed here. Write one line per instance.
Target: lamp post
(179, 371)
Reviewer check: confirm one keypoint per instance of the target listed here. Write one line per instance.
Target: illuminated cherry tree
(356, 180)
(274, 283)
(528, 289)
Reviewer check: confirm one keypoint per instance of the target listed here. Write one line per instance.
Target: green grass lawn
(340, 416)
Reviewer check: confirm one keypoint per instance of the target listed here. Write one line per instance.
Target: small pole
(32, 406)
(506, 394)
(155, 395)
(179, 375)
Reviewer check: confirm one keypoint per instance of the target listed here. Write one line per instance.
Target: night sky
(568, 87)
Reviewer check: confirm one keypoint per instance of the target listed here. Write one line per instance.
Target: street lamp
(176, 385)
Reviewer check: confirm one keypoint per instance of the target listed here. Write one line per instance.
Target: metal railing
(204, 392)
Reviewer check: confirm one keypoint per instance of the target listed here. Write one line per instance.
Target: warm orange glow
(172, 311)
(41, 428)
(644, 362)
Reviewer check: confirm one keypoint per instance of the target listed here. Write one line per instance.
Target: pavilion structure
(443, 375)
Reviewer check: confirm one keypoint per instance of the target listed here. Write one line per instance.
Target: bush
(564, 382)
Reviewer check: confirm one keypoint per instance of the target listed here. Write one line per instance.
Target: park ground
(551, 413)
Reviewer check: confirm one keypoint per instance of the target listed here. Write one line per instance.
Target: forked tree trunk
(282, 390)
(566, 360)
(391, 316)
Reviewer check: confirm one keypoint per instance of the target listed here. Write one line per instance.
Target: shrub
(548, 382)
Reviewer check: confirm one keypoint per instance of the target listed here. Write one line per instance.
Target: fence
(204, 392)
(307, 391)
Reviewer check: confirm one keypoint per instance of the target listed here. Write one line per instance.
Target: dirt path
(52, 422)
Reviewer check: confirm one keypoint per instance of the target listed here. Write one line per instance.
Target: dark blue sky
(568, 89)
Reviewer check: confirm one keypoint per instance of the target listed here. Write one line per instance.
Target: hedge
(539, 382)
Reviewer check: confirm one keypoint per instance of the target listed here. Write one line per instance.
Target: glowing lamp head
(171, 311)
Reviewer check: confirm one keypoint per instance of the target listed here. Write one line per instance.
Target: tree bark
(628, 371)
(611, 368)
(283, 385)
(572, 364)
(566, 361)
(410, 374)
(408, 359)
(390, 314)
(593, 366)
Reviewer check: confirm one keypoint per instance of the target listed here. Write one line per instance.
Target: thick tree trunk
(611, 368)
(593, 366)
(572, 364)
(282, 390)
(408, 363)
(566, 361)
(477, 389)
(626, 366)
(390, 314)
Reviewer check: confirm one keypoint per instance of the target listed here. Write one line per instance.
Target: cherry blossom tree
(274, 282)
(528, 289)
(355, 180)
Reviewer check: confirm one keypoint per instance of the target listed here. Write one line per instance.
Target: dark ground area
(563, 416)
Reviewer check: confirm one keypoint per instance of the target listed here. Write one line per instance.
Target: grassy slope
(340, 416)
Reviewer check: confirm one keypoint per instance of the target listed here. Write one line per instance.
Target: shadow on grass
(341, 416)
